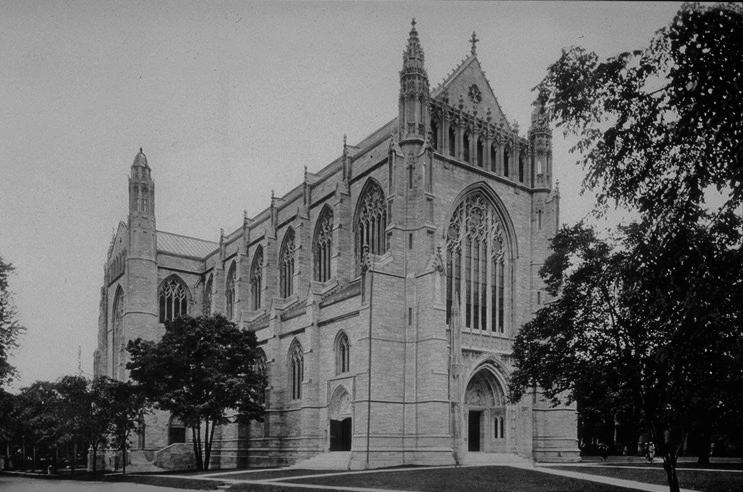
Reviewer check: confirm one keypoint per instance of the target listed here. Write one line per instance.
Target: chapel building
(385, 290)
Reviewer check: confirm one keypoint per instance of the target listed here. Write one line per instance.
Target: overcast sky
(229, 100)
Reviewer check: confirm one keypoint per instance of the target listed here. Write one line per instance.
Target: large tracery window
(476, 264)
(230, 290)
(371, 221)
(208, 296)
(261, 370)
(296, 369)
(256, 279)
(322, 246)
(116, 338)
(342, 354)
(173, 299)
(286, 265)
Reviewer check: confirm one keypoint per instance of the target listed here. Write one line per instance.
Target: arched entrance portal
(341, 425)
(485, 413)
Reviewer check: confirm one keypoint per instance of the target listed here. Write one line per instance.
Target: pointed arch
(286, 264)
(174, 297)
(117, 325)
(261, 367)
(295, 363)
(480, 246)
(370, 220)
(208, 287)
(507, 160)
(322, 244)
(466, 147)
(342, 353)
(230, 289)
(256, 278)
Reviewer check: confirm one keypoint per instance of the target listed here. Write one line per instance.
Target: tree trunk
(206, 443)
(74, 458)
(704, 447)
(209, 443)
(669, 464)
(95, 460)
(196, 448)
(123, 456)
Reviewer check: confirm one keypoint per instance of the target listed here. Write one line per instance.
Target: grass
(469, 479)
(696, 479)
(271, 474)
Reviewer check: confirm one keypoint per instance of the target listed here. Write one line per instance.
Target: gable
(468, 81)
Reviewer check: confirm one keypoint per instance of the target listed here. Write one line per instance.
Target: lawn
(466, 479)
(696, 479)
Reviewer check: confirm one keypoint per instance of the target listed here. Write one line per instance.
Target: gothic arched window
(286, 265)
(506, 160)
(230, 290)
(480, 152)
(342, 354)
(493, 158)
(256, 279)
(476, 265)
(435, 133)
(371, 221)
(208, 296)
(296, 369)
(173, 299)
(117, 340)
(522, 158)
(261, 369)
(466, 147)
(322, 246)
(452, 140)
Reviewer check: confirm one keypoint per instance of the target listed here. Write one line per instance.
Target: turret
(413, 120)
(540, 137)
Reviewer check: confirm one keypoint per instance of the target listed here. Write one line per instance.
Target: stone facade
(440, 221)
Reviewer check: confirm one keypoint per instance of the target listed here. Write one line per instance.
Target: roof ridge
(187, 237)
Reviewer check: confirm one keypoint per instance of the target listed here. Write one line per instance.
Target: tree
(651, 322)
(658, 127)
(124, 411)
(10, 328)
(198, 370)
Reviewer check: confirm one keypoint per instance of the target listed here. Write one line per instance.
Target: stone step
(475, 458)
(334, 460)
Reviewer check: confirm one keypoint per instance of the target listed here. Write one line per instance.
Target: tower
(140, 308)
(413, 111)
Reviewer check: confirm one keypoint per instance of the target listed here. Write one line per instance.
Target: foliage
(10, 327)
(198, 370)
(647, 324)
(124, 410)
(661, 126)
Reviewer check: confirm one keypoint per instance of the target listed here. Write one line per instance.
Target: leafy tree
(651, 322)
(124, 411)
(37, 419)
(10, 328)
(658, 127)
(198, 370)
(73, 408)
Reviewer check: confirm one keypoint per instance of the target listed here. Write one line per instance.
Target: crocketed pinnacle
(413, 56)
(140, 160)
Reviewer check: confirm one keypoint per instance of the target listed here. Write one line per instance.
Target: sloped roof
(183, 245)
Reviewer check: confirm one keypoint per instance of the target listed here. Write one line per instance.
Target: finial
(140, 150)
(412, 23)
(489, 115)
(474, 41)
(344, 140)
(305, 172)
(272, 196)
(245, 216)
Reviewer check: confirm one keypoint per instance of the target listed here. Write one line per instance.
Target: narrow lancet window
(286, 265)
(256, 279)
(230, 290)
(323, 245)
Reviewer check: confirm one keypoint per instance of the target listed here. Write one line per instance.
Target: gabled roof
(469, 72)
(177, 244)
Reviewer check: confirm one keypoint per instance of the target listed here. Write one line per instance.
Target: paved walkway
(28, 484)
(224, 477)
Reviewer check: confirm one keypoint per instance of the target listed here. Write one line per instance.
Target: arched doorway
(485, 413)
(341, 425)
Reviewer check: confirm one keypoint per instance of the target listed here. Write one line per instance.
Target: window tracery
(476, 264)
(173, 299)
(256, 279)
(323, 245)
(117, 340)
(286, 265)
(371, 221)
(229, 291)
(342, 354)
(208, 296)
(296, 369)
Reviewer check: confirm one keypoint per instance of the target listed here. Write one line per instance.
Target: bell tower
(140, 309)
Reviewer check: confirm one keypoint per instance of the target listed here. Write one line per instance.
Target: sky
(229, 100)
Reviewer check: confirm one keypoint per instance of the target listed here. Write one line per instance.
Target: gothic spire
(140, 160)
(413, 54)
(413, 118)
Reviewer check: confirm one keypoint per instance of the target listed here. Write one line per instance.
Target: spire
(140, 160)
(413, 55)
(473, 41)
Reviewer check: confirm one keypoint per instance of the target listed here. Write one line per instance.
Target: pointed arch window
(522, 158)
(476, 265)
(371, 221)
(466, 147)
(296, 370)
(208, 296)
(173, 299)
(480, 152)
(342, 354)
(506, 160)
(286, 264)
(117, 325)
(256, 279)
(452, 140)
(322, 246)
(435, 133)
(230, 290)
(261, 369)
(493, 157)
